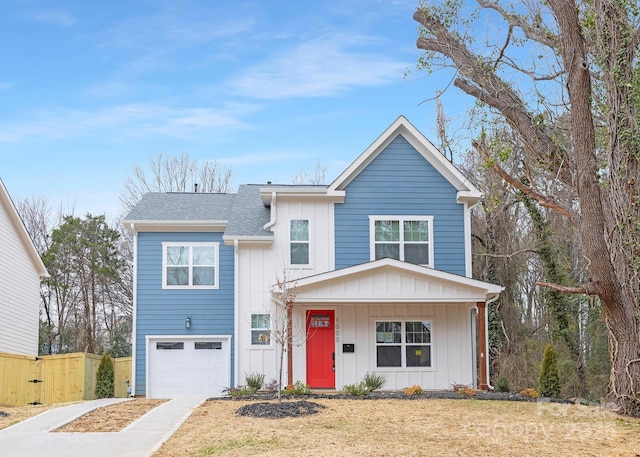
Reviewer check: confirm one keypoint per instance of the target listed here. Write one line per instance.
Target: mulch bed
(299, 405)
(280, 410)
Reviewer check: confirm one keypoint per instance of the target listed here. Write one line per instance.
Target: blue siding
(399, 181)
(163, 312)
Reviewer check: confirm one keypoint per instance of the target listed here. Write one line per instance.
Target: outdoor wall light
(187, 323)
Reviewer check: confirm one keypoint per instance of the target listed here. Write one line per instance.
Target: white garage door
(194, 366)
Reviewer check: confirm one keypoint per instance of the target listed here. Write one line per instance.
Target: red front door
(321, 363)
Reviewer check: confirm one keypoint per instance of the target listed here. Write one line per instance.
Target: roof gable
(16, 220)
(467, 192)
(391, 280)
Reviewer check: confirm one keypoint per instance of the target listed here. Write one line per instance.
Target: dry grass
(112, 418)
(19, 413)
(409, 428)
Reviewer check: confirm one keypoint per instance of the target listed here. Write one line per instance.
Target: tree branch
(538, 34)
(544, 200)
(588, 288)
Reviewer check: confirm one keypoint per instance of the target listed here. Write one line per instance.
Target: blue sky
(88, 88)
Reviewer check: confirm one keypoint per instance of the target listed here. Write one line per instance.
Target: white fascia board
(301, 192)
(21, 230)
(253, 240)
(177, 226)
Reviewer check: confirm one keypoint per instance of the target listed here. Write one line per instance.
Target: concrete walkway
(34, 437)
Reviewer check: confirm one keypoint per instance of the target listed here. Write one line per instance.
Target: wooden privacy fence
(55, 378)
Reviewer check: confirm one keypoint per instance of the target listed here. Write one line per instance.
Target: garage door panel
(180, 367)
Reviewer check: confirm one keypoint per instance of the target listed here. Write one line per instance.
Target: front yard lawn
(425, 427)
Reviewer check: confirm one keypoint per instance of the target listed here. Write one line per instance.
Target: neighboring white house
(20, 272)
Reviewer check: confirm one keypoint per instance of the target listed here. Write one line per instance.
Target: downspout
(272, 222)
(236, 314)
(474, 346)
(134, 319)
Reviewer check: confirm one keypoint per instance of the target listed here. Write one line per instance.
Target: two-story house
(377, 266)
(21, 269)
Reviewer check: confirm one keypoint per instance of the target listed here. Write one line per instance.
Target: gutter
(236, 313)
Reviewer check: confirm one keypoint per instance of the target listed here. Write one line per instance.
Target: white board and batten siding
(19, 289)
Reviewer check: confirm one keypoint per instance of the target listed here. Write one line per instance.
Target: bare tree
(317, 176)
(586, 70)
(174, 174)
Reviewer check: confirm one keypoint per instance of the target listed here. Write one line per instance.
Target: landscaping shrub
(413, 390)
(240, 392)
(467, 392)
(357, 389)
(502, 384)
(549, 380)
(299, 388)
(272, 386)
(374, 381)
(529, 392)
(105, 378)
(254, 380)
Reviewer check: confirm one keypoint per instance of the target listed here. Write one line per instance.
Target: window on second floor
(299, 242)
(190, 265)
(406, 238)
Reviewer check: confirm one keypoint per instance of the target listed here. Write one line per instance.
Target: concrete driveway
(34, 437)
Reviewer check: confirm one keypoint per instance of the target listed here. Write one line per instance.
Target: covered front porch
(417, 325)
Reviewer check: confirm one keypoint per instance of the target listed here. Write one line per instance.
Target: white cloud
(323, 66)
(128, 120)
(55, 17)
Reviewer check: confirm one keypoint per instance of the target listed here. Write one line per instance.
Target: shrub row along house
(377, 265)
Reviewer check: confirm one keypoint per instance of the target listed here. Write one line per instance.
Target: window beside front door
(406, 238)
(299, 242)
(403, 344)
(190, 265)
(260, 329)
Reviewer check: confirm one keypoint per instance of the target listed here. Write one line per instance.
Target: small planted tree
(105, 378)
(549, 380)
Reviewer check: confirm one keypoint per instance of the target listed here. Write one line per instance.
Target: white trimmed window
(403, 344)
(406, 238)
(260, 329)
(299, 242)
(189, 265)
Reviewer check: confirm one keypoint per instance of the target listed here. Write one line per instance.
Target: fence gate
(37, 381)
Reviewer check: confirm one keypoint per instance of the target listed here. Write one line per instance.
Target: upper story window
(299, 242)
(190, 265)
(407, 238)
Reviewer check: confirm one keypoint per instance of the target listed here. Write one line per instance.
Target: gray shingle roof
(244, 211)
(182, 206)
(249, 214)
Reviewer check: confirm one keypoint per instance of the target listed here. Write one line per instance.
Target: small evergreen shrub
(357, 389)
(105, 378)
(240, 392)
(529, 392)
(502, 384)
(374, 381)
(299, 388)
(549, 380)
(414, 390)
(254, 380)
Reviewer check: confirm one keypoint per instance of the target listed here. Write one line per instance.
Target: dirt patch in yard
(112, 418)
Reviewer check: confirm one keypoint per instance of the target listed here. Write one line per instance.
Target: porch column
(289, 344)
(482, 344)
